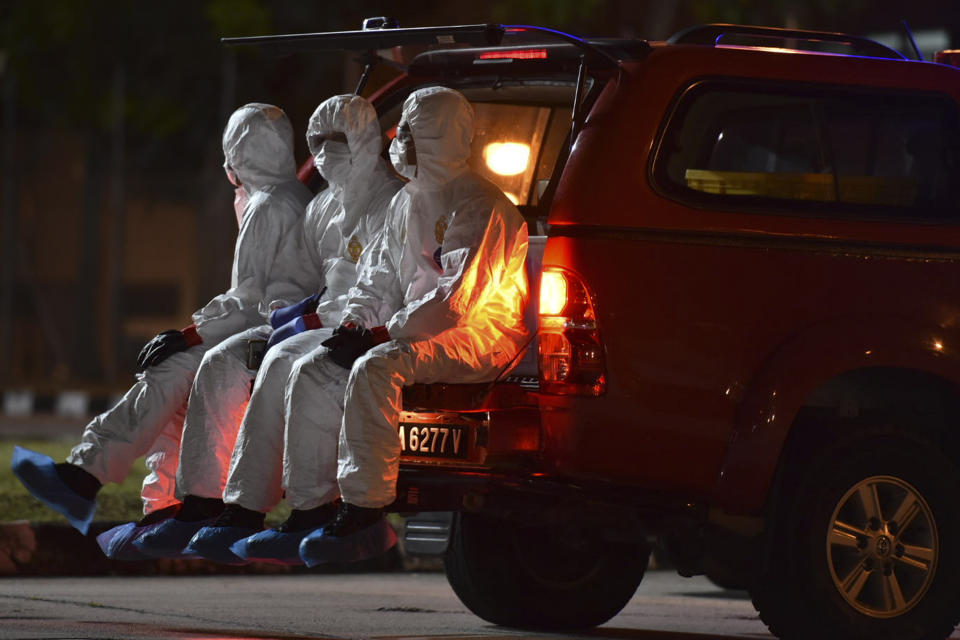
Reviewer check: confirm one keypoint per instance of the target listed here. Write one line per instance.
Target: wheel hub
(882, 546)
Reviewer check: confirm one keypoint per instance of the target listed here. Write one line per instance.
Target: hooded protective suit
(258, 151)
(448, 280)
(340, 222)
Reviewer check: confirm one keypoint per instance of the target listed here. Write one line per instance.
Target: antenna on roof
(913, 42)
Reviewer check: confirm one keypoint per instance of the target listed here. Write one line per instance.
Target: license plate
(434, 440)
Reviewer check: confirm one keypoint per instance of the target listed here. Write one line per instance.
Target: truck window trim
(663, 185)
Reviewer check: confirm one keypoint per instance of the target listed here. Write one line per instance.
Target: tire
(842, 565)
(539, 577)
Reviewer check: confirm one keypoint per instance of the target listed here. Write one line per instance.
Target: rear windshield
(520, 131)
(876, 154)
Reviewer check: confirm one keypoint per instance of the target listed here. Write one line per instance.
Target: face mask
(333, 161)
(399, 154)
(239, 203)
(231, 175)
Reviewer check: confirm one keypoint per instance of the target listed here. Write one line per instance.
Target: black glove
(165, 344)
(349, 343)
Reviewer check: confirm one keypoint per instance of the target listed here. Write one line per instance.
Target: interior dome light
(507, 158)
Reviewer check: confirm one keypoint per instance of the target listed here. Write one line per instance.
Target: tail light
(516, 54)
(570, 351)
(948, 56)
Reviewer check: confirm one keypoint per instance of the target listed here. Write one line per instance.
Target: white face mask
(333, 161)
(239, 203)
(399, 156)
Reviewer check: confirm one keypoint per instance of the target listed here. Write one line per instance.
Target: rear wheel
(543, 577)
(867, 547)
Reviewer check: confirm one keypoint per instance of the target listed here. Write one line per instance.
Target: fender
(799, 366)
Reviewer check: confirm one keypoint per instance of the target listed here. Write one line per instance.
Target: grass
(116, 502)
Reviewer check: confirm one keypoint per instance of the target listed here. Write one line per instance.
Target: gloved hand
(297, 325)
(349, 342)
(283, 315)
(165, 344)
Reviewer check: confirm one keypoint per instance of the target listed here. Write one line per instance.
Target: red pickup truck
(747, 328)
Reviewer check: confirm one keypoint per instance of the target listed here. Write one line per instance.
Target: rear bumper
(429, 497)
(519, 491)
(512, 468)
(446, 489)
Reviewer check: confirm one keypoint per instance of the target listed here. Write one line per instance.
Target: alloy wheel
(882, 547)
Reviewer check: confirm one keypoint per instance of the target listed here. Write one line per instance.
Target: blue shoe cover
(117, 543)
(272, 546)
(39, 475)
(169, 538)
(214, 543)
(370, 542)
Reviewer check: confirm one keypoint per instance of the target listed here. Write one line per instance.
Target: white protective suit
(447, 278)
(341, 222)
(258, 151)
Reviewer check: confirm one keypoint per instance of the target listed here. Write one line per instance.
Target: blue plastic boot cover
(117, 543)
(213, 543)
(39, 475)
(271, 546)
(169, 538)
(370, 542)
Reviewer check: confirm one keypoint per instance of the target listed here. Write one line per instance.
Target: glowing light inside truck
(507, 158)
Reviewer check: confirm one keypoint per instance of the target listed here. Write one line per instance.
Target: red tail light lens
(948, 56)
(570, 351)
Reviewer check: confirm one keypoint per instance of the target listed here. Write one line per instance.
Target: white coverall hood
(346, 217)
(356, 118)
(441, 121)
(258, 146)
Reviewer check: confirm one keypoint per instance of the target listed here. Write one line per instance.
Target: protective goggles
(316, 140)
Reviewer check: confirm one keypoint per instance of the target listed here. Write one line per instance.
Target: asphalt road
(390, 606)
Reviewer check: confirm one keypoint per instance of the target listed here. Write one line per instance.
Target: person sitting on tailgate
(269, 204)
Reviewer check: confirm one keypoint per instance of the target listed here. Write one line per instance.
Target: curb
(56, 550)
(21, 403)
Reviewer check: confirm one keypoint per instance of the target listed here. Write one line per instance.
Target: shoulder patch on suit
(440, 229)
(354, 248)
